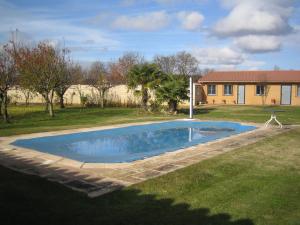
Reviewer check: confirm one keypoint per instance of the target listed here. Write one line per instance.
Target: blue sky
(221, 34)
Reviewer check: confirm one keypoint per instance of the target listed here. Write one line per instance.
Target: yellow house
(249, 88)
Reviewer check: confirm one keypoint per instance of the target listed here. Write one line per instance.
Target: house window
(298, 90)
(227, 89)
(211, 89)
(260, 89)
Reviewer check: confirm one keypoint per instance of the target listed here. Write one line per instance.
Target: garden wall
(118, 95)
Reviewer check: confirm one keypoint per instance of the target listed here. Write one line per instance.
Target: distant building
(249, 88)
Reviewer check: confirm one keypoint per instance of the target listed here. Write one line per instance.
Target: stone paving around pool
(96, 179)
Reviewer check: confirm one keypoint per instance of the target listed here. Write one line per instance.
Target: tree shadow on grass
(26, 199)
(148, 209)
(196, 111)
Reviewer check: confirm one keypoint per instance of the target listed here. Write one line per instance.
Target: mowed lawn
(34, 119)
(258, 114)
(254, 185)
(257, 184)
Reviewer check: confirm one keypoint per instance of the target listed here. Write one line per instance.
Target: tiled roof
(276, 76)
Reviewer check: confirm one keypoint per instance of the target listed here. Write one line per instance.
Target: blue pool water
(134, 142)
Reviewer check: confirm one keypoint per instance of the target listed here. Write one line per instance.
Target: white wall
(119, 94)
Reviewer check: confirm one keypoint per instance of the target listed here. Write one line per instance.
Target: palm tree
(146, 76)
(173, 90)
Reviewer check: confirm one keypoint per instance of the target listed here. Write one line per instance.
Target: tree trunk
(26, 102)
(27, 96)
(60, 93)
(102, 99)
(51, 111)
(46, 98)
(4, 108)
(61, 101)
(172, 106)
(144, 97)
(1, 104)
(46, 105)
(49, 105)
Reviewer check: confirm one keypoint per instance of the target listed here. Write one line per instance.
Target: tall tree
(39, 69)
(116, 74)
(167, 64)
(79, 78)
(118, 70)
(128, 60)
(98, 78)
(7, 78)
(64, 76)
(187, 64)
(146, 76)
(172, 90)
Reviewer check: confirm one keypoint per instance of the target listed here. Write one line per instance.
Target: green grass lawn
(34, 119)
(290, 114)
(258, 184)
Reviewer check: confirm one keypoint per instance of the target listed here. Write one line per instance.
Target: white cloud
(59, 30)
(180, 1)
(268, 17)
(191, 21)
(258, 44)
(144, 22)
(232, 3)
(218, 56)
(162, 2)
(225, 68)
(251, 64)
(43, 27)
(168, 2)
(225, 58)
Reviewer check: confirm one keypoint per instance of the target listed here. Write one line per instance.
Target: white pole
(191, 97)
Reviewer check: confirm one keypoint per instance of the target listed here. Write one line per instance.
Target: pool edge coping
(52, 158)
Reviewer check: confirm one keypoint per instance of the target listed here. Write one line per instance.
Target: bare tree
(115, 73)
(7, 78)
(28, 94)
(98, 78)
(79, 78)
(187, 64)
(127, 61)
(167, 64)
(64, 76)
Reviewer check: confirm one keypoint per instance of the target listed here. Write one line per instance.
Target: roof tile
(276, 76)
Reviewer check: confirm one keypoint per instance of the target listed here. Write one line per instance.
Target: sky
(221, 34)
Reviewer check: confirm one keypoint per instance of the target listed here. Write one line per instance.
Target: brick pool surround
(96, 179)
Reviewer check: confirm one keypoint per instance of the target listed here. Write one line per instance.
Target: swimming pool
(132, 143)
